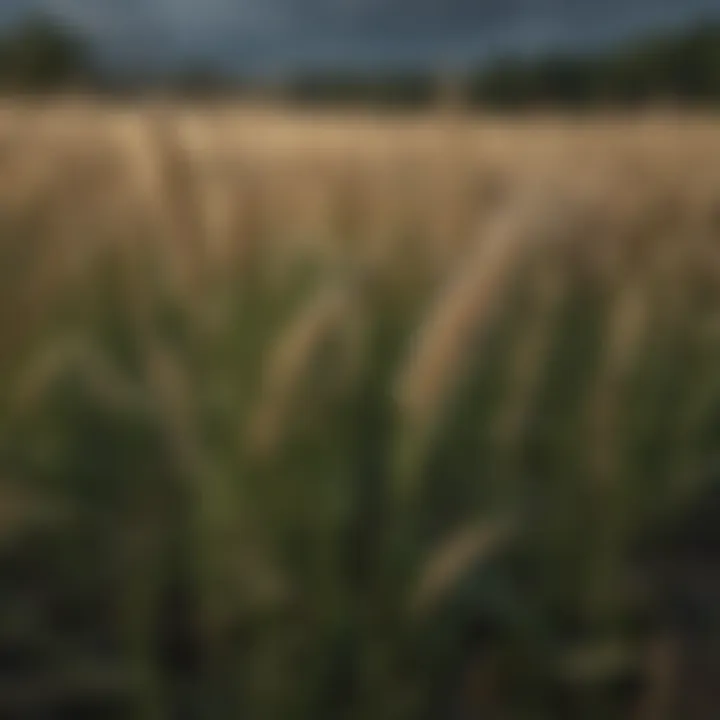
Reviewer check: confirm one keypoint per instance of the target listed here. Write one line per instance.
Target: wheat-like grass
(199, 274)
(469, 304)
(299, 369)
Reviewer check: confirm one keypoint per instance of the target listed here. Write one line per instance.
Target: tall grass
(339, 424)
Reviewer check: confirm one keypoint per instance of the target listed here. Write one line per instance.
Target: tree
(41, 54)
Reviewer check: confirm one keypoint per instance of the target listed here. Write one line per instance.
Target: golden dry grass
(353, 345)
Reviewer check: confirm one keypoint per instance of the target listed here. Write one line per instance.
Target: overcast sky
(269, 34)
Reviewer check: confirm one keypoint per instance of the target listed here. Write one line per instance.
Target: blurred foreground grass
(367, 420)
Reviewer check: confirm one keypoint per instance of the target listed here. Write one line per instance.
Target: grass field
(354, 416)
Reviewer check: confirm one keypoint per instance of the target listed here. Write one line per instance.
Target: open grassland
(354, 416)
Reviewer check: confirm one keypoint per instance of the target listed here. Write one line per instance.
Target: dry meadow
(348, 415)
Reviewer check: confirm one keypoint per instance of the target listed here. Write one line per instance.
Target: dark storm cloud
(286, 32)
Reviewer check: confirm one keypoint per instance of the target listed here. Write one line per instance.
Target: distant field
(332, 415)
(439, 175)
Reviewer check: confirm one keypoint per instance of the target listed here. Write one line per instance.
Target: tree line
(41, 55)
(683, 67)
(679, 68)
